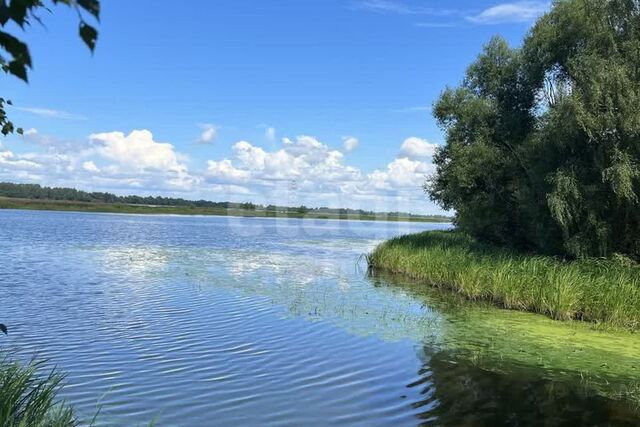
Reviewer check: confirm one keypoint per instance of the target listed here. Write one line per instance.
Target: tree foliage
(543, 141)
(15, 58)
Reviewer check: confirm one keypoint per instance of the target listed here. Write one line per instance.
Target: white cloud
(138, 155)
(401, 173)
(518, 11)
(303, 157)
(416, 109)
(414, 147)
(350, 143)
(306, 171)
(270, 134)
(11, 161)
(89, 166)
(302, 170)
(224, 171)
(209, 133)
(50, 113)
(33, 136)
(400, 7)
(435, 24)
(523, 11)
(137, 151)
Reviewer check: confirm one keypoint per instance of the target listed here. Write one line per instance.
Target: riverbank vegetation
(594, 290)
(29, 399)
(543, 141)
(542, 166)
(33, 196)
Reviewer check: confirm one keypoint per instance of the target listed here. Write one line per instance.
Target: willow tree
(543, 142)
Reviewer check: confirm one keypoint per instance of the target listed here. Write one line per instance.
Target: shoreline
(596, 291)
(130, 209)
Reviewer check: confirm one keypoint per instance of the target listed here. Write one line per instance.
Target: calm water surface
(199, 321)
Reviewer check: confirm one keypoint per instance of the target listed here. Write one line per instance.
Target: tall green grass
(28, 399)
(593, 290)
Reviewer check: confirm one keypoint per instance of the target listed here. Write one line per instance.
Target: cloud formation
(401, 7)
(416, 148)
(304, 170)
(270, 134)
(50, 113)
(416, 109)
(519, 11)
(523, 11)
(402, 173)
(209, 133)
(301, 170)
(350, 143)
(137, 151)
(89, 166)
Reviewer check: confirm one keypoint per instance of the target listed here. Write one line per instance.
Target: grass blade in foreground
(29, 400)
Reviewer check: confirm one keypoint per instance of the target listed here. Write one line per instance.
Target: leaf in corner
(18, 69)
(3, 329)
(89, 35)
(91, 6)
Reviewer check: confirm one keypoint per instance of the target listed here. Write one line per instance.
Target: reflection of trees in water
(482, 373)
(457, 392)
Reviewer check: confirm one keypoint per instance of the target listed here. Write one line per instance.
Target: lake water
(200, 321)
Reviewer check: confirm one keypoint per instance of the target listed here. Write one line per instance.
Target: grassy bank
(60, 205)
(605, 291)
(29, 399)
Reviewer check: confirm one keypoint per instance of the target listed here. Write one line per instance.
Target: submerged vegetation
(592, 290)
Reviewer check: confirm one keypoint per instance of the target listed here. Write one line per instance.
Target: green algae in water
(513, 344)
(605, 361)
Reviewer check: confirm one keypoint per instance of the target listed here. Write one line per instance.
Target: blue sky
(321, 102)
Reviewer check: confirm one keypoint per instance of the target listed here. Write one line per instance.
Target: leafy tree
(15, 58)
(543, 142)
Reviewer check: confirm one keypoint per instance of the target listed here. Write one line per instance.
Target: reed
(28, 399)
(594, 290)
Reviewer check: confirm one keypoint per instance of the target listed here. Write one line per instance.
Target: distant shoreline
(68, 206)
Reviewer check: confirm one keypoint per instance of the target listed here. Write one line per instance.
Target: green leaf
(91, 6)
(18, 69)
(3, 329)
(4, 14)
(17, 49)
(89, 35)
(7, 128)
(18, 11)
(20, 131)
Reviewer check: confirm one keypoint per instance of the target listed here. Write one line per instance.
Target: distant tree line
(35, 191)
(543, 141)
(38, 192)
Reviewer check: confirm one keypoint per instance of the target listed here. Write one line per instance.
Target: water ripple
(214, 321)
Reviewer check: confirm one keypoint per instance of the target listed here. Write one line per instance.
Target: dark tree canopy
(15, 58)
(543, 142)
